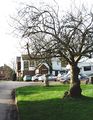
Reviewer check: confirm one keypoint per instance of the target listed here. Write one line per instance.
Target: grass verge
(46, 103)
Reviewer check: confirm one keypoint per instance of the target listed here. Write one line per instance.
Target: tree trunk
(46, 81)
(75, 90)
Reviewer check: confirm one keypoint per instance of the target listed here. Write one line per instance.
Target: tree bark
(46, 81)
(75, 89)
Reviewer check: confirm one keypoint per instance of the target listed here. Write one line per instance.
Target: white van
(85, 65)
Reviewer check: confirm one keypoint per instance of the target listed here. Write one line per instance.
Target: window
(87, 68)
(18, 66)
(26, 65)
(32, 63)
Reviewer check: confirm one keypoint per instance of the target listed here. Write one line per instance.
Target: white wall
(22, 65)
(56, 64)
(84, 63)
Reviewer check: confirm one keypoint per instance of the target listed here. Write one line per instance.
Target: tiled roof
(26, 57)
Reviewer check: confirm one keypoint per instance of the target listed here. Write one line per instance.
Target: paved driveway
(8, 109)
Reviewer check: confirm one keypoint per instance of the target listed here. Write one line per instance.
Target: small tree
(52, 35)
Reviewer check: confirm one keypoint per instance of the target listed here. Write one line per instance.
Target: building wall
(43, 69)
(2, 74)
(27, 72)
(56, 64)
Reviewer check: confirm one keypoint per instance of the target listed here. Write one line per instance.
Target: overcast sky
(9, 45)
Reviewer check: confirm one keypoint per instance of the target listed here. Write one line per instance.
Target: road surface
(8, 108)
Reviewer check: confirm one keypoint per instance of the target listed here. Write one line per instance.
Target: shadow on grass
(57, 109)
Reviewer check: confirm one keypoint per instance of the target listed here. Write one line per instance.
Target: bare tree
(51, 34)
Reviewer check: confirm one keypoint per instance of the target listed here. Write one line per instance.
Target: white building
(56, 65)
(28, 66)
(85, 65)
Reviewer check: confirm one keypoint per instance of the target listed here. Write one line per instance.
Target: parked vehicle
(39, 77)
(65, 78)
(51, 77)
(82, 77)
(27, 78)
(60, 76)
(36, 77)
(42, 78)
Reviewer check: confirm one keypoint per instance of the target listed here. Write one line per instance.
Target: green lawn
(46, 103)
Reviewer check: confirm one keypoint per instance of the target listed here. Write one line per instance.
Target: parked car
(51, 77)
(39, 77)
(36, 77)
(42, 78)
(65, 78)
(82, 77)
(27, 78)
(60, 76)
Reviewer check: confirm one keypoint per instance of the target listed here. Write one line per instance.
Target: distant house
(2, 73)
(85, 65)
(26, 66)
(5, 73)
(42, 68)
